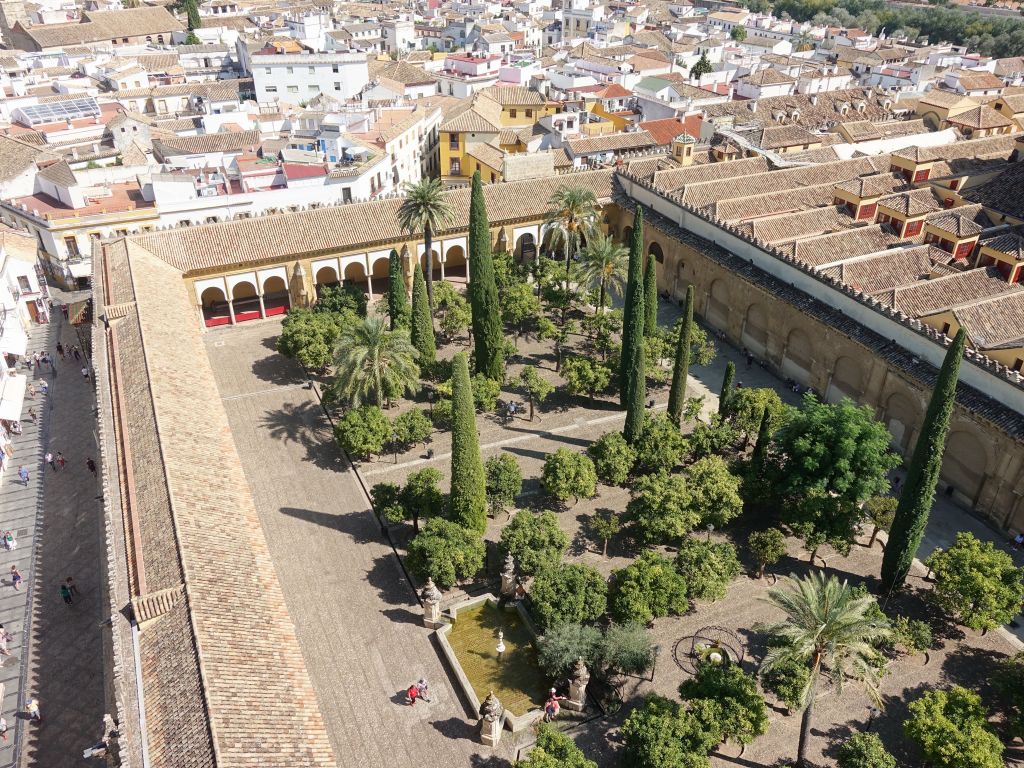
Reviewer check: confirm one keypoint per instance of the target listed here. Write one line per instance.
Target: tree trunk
(874, 534)
(565, 298)
(600, 306)
(416, 520)
(604, 552)
(760, 571)
(805, 721)
(428, 238)
(531, 407)
(814, 554)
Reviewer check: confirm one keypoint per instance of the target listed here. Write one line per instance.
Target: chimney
(752, 105)
(814, 99)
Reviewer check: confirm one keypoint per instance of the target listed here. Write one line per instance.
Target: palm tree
(604, 265)
(374, 364)
(573, 214)
(426, 207)
(803, 42)
(829, 628)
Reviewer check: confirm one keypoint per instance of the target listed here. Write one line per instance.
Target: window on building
(1018, 364)
(493, 178)
(266, 70)
(312, 70)
(337, 86)
(913, 228)
(453, 141)
(529, 113)
(314, 89)
(72, 245)
(945, 329)
(24, 284)
(455, 167)
(290, 70)
(511, 113)
(334, 69)
(271, 89)
(293, 89)
(346, 195)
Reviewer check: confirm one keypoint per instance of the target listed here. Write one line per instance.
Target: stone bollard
(431, 605)
(492, 720)
(508, 578)
(577, 700)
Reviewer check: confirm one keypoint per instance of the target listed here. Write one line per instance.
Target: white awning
(12, 397)
(13, 339)
(81, 268)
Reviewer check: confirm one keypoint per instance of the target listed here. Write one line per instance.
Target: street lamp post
(430, 399)
(873, 712)
(394, 444)
(710, 528)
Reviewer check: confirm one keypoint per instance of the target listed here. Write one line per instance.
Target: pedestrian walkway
(56, 651)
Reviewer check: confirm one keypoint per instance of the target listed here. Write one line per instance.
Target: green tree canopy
(520, 307)
(747, 407)
(563, 643)
(951, 728)
(681, 366)
(572, 215)
(976, 583)
(834, 457)
(739, 34)
(568, 592)
(310, 337)
(646, 589)
(740, 713)
(767, 547)
(398, 302)
(585, 376)
(569, 475)
(1009, 682)
(714, 491)
(373, 364)
(633, 318)
(661, 734)
(661, 446)
(554, 750)
(537, 387)
(708, 567)
(701, 67)
(504, 481)
(362, 431)
(603, 266)
(426, 209)
(613, 457)
(445, 552)
(412, 427)
(661, 511)
(864, 750)
(535, 541)
(341, 299)
(422, 322)
(488, 338)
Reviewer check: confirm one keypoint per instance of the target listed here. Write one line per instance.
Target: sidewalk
(57, 649)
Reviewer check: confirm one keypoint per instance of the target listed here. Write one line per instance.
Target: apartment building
(296, 78)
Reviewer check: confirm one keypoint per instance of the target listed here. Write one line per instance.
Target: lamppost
(873, 712)
(501, 644)
(430, 399)
(394, 444)
(710, 528)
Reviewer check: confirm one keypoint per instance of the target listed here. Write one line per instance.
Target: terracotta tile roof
(207, 142)
(966, 221)
(868, 187)
(59, 173)
(930, 296)
(915, 202)
(17, 156)
(400, 72)
(612, 91)
(753, 206)
(339, 228)
(487, 154)
(1011, 243)
(939, 98)
(614, 142)
(767, 76)
(980, 81)
(1004, 193)
(103, 26)
(981, 118)
(513, 96)
(785, 227)
(827, 249)
(780, 136)
(663, 131)
(820, 116)
(222, 670)
(474, 116)
(994, 323)
(887, 270)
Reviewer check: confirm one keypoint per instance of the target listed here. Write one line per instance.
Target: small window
(271, 89)
(314, 89)
(337, 86)
(334, 69)
(529, 113)
(1018, 364)
(290, 70)
(266, 70)
(312, 70)
(511, 113)
(293, 89)
(945, 329)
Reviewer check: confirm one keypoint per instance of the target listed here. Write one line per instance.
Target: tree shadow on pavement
(361, 525)
(456, 728)
(278, 369)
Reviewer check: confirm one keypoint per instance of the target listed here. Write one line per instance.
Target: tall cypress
(726, 394)
(422, 332)
(677, 395)
(651, 297)
(636, 395)
(398, 303)
(923, 475)
(764, 439)
(633, 321)
(193, 18)
(488, 339)
(468, 502)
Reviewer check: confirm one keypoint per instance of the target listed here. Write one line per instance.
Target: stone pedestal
(492, 720)
(431, 605)
(508, 578)
(577, 700)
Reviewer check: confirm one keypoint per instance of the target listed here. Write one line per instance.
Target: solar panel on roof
(56, 111)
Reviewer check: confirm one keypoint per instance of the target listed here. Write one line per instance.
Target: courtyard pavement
(357, 619)
(57, 650)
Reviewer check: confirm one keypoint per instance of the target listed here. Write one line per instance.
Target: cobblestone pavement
(57, 651)
(356, 617)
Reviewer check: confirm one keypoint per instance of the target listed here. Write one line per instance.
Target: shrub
(310, 337)
(647, 588)
(708, 567)
(915, 636)
(412, 427)
(568, 592)
(613, 458)
(441, 414)
(1009, 683)
(535, 541)
(951, 728)
(504, 481)
(584, 376)
(864, 750)
(341, 299)
(660, 446)
(660, 510)
(561, 645)
(485, 393)
(554, 750)
(445, 552)
(767, 547)
(787, 681)
(628, 648)
(363, 431)
(568, 474)
(387, 500)
(714, 491)
(736, 706)
(661, 734)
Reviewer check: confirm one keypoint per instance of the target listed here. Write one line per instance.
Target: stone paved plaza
(356, 615)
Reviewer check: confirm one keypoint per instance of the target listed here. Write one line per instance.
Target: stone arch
(326, 276)
(847, 380)
(655, 250)
(215, 307)
(679, 281)
(275, 296)
(245, 300)
(455, 263)
(755, 331)
(379, 268)
(798, 357)
(964, 467)
(355, 273)
(717, 312)
(901, 418)
(526, 247)
(627, 235)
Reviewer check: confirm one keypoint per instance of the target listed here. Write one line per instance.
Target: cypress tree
(677, 395)
(633, 321)
(761, 446)
(923, 474)
(192, 14)
(635, 395)
(398, 303)
(726, 394)
(488, 339)
(422, 332)
(468, 502)
(651, 297)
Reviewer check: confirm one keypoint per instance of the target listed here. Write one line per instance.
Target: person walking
(15, 577)
(91, 465)
(65, 594)
(61, 461)
(44, 386)
(9, 543)
(72, 587)
(76, 353)
(85, 373)
(33, 710)
(423, 690)
(5, 637)
(32, 415)
(3, 729)
(35, 359)
(60, 350)
(23, 474)
(50, 460)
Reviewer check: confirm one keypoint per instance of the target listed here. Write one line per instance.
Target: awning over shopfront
(80, 269)
(13, 339)
(12, 397)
